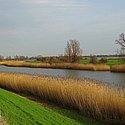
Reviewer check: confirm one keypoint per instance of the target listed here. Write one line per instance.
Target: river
(105, 76)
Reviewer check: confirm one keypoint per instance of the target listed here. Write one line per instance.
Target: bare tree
(93, 59)
(73, 51)
(121, 42)
(1, 57)
(68, 52)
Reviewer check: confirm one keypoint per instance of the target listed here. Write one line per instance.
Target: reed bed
(76, 66)
(89, 97)
(118, 68)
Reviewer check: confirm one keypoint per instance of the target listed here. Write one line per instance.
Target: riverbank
(75, 66)
(20, 111)
(118, 68)
(80, 95)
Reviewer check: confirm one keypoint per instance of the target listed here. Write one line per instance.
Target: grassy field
(116, 65)
(20, 111)
(109, 61)
(115, 62)
(89, 97)
(85, 61)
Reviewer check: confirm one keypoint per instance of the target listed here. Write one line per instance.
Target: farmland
(109, 62)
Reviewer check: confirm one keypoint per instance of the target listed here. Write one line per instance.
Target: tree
(103, 60)
(121, 42)
(1, 57)
(8, 58)
(93, 59)
(73, 51)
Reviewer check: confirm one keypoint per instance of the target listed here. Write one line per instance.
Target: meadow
(109, 62)
(115, 62)
(116, 65)
(88, 97)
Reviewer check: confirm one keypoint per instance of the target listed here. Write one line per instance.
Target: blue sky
(42, 27)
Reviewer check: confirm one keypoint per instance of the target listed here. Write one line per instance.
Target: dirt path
(2, 122)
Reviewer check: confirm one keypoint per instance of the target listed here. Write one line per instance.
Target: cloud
(37, 1)
(73, 4)
(42, 24)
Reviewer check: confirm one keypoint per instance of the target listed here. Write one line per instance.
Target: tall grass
(93, 67)
(87, 96)
(118, 68)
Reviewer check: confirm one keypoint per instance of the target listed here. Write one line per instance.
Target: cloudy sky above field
(42, 27)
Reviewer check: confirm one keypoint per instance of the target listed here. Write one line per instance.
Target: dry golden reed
(87, 96)
(118, 68)
(93, 67)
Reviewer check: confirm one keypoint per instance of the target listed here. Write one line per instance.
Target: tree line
(72, 53)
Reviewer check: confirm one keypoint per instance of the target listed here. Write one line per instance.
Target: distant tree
(68, 52)
(52, 60)
(26, 57)
(121, 42)
(1, 57)
(61, 58)
(93, 59)
(39, 58)
(16, 57)
(103, 60)
(73, 51)
(8, 58)
(22, 57)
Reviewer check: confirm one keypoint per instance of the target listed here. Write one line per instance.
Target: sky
(42, 27)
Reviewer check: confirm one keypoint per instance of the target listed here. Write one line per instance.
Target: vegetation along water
(80, 95)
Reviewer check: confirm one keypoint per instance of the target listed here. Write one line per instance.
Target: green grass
(20, 111)
(115, 62)
(85, 61)
(109, 61)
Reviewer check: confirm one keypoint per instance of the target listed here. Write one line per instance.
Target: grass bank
(76, 66)
(20, 111)
(89, 97)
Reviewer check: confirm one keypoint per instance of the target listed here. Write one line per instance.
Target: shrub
(93, 59)
(103, 60)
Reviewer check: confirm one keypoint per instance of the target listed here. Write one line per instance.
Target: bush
(93, 60)
(103, 60)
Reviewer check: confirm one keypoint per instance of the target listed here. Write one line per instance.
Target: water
(105, 76)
